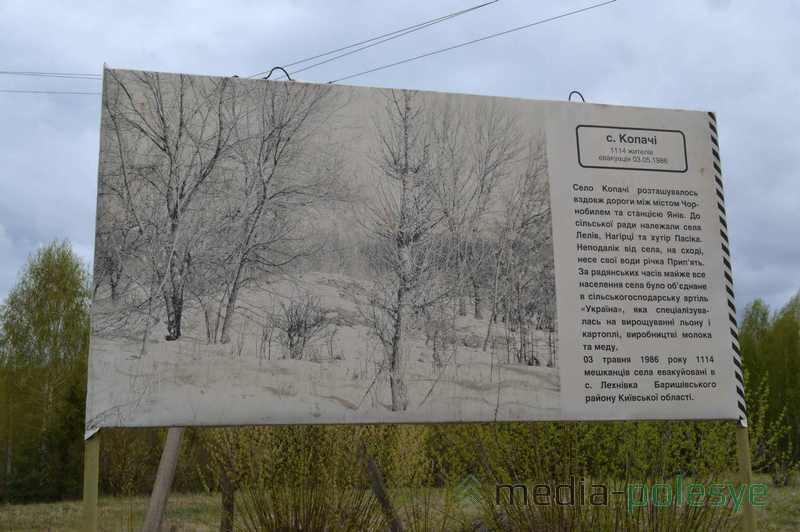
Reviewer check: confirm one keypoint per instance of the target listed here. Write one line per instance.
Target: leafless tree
(523, 284)
(472, 153)
(438, 327)
(179, 128)
(404, 218)
(276, 175)
(211, 181)
(302, 320)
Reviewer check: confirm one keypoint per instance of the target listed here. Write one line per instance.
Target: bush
(302, 321)
(771, 443)
(309, 478)
(310, 505)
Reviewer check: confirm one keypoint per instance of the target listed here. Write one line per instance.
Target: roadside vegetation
(322, 476)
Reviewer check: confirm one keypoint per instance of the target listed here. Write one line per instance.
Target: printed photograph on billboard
(273, 252)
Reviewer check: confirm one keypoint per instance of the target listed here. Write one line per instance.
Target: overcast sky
(736, 58)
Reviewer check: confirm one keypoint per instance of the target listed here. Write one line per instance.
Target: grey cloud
(734, 58)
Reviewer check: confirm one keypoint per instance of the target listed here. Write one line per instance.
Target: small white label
(628, 148)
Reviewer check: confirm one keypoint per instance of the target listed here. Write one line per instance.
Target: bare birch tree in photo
(184, 125)
(473, 153)
(404, 219)
(275, 176)
(523, 285)
(128, 225)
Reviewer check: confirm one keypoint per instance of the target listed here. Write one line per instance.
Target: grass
(193, 512)
(185, 512)
(782, 511)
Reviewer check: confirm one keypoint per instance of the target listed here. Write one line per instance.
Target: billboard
(284, 252)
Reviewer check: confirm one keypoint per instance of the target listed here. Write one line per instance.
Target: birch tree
(403, 221)
(473, 153)
(523, 281)
(180, 127)
(275, 173)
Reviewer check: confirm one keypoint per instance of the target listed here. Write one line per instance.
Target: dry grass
(199, 513)
(782, 512)
(185, 512)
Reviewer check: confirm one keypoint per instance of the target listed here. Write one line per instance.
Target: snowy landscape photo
(281, 252)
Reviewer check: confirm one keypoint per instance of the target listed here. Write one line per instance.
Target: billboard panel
(283, 252)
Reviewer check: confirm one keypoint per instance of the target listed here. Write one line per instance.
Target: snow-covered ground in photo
(247, 381)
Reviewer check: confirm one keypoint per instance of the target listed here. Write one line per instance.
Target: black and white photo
(282, 252)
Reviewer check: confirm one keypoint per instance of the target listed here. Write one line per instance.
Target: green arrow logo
(470, 492)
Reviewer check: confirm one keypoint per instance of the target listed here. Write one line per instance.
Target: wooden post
(379, 490)
(91, 481)
(746, 475)
(163, 483)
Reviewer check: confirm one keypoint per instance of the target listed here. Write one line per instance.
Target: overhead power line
(361, 45)
(375, 41)
(68, 75)
(24, 91)
(474, 41)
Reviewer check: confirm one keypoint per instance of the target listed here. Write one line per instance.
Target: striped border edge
(728, 273)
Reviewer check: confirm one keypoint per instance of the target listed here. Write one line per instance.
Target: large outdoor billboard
(284, 252)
